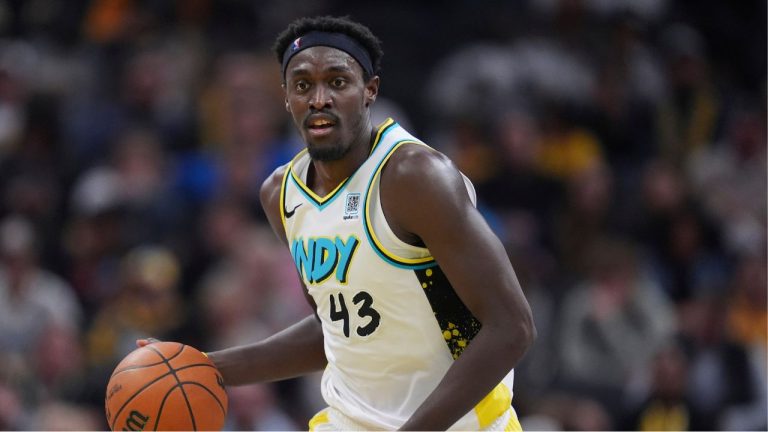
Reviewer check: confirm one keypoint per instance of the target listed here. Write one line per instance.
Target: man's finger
(144, 342)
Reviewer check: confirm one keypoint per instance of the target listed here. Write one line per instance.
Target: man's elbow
(514, 331)
(531, 333)
(526, 332)
(520, 334)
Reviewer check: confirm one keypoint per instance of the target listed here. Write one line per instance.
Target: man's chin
(327, 153)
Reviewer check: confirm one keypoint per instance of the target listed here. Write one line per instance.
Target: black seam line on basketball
(162, 404)
(176, 377)
(181, 349)
(180, 386)
(130, 368)
(197, 365)
(162, 360)
(205, 387)
(127, 368)
(221, 405)
(136, 393)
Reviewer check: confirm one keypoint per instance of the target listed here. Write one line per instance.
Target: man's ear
(287, 106)
(371, 90)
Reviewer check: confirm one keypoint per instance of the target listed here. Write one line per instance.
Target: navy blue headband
(334, 40)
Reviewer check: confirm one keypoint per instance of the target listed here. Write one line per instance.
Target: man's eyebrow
(298, 71)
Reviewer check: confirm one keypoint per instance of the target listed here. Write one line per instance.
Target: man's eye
(339, 82)
(301, 86)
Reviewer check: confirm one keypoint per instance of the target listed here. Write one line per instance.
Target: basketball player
(419, 318)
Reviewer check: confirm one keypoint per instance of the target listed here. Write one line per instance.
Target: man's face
(328, 99)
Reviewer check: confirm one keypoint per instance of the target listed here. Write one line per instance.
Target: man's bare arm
(295, 351)
(287, 354)
(424, 195)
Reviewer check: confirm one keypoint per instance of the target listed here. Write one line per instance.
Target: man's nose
(320, 98)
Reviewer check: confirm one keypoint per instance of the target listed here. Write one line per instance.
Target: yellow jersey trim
(380, 131)
(283, 191)
(493, 405)
(369, 227)
(513, 425)
(318, 419)
(322, 201)
(315, 197)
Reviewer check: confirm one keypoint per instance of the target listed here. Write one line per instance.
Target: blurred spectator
(730, 178)
(587, 216)
(147, 303)
(61, 415)
(254, 408)
(667, 406)
(250, 294)
(122, 205)
(568, 411)
(567, 149)
(146, 81)
(107, 21)
(612, 323)
(155, 91)
(59, 362)
(32, 177)
(93, 238)
(31, 298)
(747, 310)
(151, 210)
(35, 305)
(684, 244)
(15, 88)
(240, 110)
(747, 324)
(12, 413)
(689, 116)
(630, 85)
(470, 83)
(514, 187)
(242, 103)
(724, 377)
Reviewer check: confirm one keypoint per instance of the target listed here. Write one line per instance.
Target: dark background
(618, 149)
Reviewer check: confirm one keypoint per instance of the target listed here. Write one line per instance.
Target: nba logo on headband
(339, 41)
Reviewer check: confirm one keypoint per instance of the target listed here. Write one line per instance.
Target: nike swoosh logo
(290, 213)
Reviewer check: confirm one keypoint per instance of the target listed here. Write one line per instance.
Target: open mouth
(320, 126)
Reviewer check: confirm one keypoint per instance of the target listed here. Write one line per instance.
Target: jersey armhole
(377, 230)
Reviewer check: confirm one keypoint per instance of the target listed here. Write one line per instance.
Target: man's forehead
(322, 58)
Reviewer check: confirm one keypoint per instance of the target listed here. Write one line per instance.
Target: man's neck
(325, 176)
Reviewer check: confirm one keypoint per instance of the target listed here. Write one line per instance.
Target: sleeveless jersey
(392, 323)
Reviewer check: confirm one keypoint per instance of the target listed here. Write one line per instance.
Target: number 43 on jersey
(363, 304)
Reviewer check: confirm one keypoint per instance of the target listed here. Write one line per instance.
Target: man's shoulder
(424, 174)
(415, 160)
(273, 182)
(277, 175)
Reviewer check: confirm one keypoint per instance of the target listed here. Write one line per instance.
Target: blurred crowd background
(618, 148)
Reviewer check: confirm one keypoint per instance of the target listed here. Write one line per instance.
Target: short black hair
(331, 24)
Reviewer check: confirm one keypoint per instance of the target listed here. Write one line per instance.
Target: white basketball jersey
(392, 323)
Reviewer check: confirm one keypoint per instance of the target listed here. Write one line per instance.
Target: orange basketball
(166, 386)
